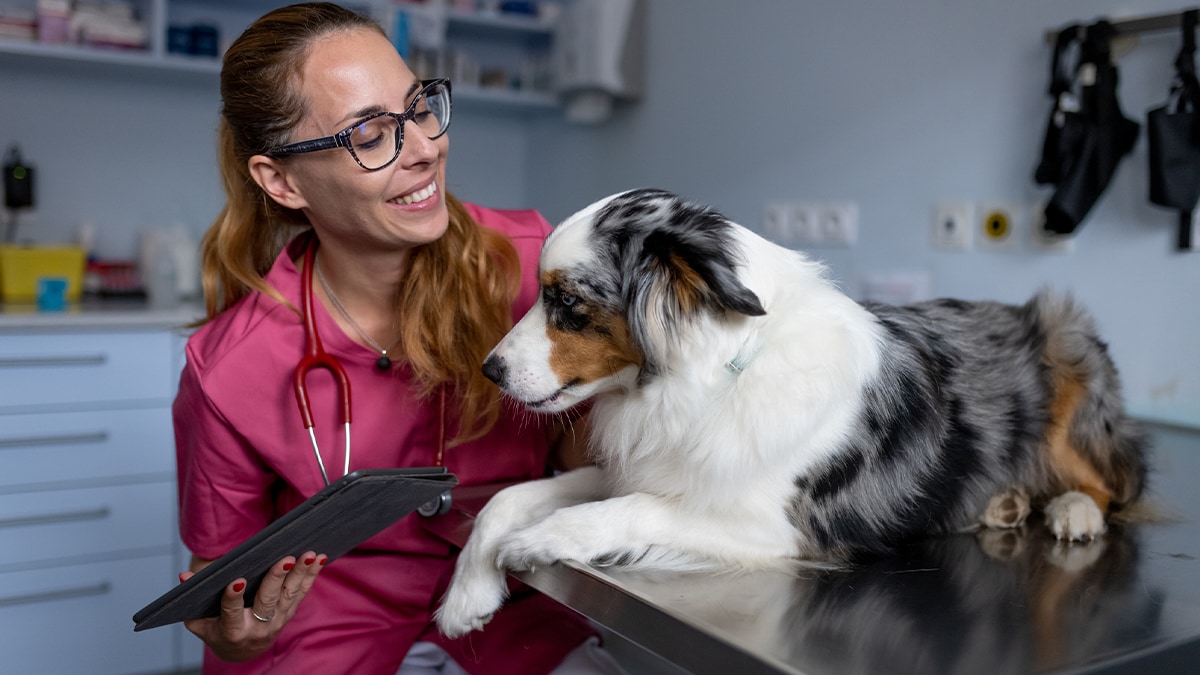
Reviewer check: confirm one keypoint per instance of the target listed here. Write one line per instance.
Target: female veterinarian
(331, 150)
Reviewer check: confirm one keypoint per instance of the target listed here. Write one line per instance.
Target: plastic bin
(21, 266)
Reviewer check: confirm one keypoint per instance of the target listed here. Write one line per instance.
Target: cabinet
(87, 500)
(488, 36)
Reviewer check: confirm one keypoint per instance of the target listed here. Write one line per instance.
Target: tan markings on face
(602, 348)
(1066, 461)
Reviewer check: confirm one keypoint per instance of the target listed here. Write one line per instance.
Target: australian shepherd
(745, 412)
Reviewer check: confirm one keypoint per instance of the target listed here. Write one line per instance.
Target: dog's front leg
(640, 530)
(478, 587)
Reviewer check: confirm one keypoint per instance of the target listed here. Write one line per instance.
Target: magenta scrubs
(245, 458)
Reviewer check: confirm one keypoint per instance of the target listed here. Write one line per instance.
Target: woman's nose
(417, 148)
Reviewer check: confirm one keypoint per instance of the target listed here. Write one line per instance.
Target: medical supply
(22, 266)
(317, 357)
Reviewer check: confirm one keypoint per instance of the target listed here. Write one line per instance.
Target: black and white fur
(746, 413)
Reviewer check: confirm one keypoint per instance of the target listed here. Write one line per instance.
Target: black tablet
(346, 513)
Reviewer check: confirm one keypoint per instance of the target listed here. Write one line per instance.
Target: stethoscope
(316, 357)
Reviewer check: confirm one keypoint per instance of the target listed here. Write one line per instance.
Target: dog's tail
(1093, 446)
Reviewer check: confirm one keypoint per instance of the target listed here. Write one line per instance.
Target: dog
(745, 412)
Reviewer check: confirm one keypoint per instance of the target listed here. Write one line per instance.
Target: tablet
(346, 513)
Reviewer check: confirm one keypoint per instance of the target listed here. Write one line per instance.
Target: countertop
(97, 315)
(1000, 603)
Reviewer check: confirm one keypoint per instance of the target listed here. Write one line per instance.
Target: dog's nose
(494, 369)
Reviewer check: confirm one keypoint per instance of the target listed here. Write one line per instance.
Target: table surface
(997, 603)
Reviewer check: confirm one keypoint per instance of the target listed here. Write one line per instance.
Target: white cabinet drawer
(78, 619)
(49, 447)
(64, 369)
(82, 524)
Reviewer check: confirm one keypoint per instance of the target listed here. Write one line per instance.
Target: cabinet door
(44, 449)
(86, 524)
(77, 619)
(85, 368)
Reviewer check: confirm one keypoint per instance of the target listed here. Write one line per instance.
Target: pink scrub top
(245, 458)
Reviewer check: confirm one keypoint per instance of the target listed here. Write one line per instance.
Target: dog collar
(742, 359)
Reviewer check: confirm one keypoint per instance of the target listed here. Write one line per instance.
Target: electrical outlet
(1042, 240)
(805, 224)
(837, 224)
(953, 226)
(999, 227)
(776, 222)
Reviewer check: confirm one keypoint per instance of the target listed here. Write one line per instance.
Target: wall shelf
(155, 62)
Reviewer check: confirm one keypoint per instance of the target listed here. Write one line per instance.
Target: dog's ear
(677, 275)
(695, 271)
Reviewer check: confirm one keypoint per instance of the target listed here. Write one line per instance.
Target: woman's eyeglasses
(375, 141)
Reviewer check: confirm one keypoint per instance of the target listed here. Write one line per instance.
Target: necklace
(384, 362)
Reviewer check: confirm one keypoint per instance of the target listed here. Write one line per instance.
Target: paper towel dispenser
(598, 56)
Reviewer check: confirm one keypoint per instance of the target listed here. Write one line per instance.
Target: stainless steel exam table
(1003, 602)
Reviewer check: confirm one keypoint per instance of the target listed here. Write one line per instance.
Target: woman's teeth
(418, 196)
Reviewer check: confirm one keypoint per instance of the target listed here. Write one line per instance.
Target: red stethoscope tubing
(317, 357)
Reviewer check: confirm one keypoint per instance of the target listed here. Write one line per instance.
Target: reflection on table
(993, 602)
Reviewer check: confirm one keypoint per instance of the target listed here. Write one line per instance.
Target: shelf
(505, 98)
(497, 24)
(143, 59)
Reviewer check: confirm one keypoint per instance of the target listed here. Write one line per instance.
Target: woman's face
(347, 76)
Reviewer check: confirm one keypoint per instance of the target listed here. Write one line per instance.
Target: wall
(128, 149)
(897, 106)
(893, 105)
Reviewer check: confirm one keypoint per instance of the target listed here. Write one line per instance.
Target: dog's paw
(1007, 509)
(1074, 516)
(470, 602)
(561, 536)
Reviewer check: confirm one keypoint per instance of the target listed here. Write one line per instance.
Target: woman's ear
(272, 177)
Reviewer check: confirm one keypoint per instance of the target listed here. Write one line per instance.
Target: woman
(413, 288)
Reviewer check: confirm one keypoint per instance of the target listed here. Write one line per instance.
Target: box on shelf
(21, 266)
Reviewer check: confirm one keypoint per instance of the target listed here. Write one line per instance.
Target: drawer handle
(54, 518)
(65, 594)
(64, 439)
(38, 361)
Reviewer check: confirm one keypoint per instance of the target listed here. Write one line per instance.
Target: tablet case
(346, 513)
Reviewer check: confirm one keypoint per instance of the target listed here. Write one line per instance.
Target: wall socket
(816, 224)
(953, 226)
(999, 227)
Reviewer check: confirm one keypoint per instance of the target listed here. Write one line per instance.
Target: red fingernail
(310, 560)
(181, 579)
(237, 587)
(287, 567)
(323, 561)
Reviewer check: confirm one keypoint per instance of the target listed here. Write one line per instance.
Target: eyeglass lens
(376, 142)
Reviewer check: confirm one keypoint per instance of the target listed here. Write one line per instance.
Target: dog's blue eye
(567, 299)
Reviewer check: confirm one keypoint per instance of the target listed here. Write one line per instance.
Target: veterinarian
(414, 287)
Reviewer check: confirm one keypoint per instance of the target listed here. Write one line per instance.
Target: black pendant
(383, 363)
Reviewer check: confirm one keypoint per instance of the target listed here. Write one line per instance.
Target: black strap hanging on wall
(1062, 79)
(1087, 135)
(1174, 135)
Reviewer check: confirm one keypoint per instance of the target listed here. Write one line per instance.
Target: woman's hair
(455, 302)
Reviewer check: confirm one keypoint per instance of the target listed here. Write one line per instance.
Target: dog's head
(619, 282)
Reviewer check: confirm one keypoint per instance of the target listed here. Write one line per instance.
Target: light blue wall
(897, 106)
(893, 105)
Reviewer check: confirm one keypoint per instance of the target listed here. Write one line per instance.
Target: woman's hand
(242, 633)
